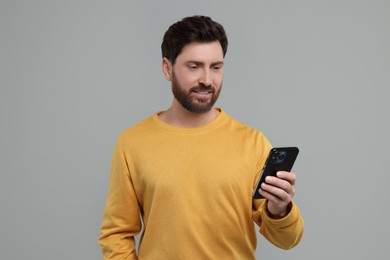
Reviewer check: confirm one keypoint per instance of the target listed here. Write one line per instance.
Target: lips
(203, 94)
(203, 90)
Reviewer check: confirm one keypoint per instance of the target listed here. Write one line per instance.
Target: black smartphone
(279, 159)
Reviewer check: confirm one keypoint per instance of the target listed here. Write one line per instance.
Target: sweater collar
(216, 122)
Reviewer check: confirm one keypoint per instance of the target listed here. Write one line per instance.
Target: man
(189, 171)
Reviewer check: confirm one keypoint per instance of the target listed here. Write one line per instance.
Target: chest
(193, 168)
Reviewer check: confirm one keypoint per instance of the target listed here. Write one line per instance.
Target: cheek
(187, 79)
(218, 79)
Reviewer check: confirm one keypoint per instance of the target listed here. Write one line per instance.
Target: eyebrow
(200, 63)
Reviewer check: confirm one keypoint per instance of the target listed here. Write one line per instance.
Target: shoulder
(239, 126)
(248, 133)
(136, 131)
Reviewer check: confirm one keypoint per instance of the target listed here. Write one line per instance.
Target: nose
(205, 79)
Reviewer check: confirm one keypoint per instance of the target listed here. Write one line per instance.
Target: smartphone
(279, 159)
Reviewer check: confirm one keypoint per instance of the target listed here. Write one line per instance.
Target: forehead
(201, 51)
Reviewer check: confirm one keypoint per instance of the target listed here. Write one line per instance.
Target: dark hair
(192, 29)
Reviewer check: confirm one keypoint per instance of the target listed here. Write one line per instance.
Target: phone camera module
(278, 157)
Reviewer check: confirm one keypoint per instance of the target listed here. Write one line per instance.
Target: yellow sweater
(192, 188)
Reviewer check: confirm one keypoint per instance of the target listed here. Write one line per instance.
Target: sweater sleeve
(284, 233)
(121, 219)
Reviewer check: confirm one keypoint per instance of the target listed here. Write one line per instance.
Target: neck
(181, 117)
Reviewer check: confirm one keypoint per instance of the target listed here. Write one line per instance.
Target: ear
(167, 68)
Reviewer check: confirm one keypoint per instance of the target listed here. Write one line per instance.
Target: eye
(217, 67)
(192, 66)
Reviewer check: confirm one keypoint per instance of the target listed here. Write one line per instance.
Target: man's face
(197, 76)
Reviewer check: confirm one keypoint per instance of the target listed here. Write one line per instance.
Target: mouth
(203, 92)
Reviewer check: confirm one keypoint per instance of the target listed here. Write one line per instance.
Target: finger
(280, 194)
(288, 176)
(270, 197)
(281, 184)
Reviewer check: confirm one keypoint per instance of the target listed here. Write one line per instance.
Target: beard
(195, 104)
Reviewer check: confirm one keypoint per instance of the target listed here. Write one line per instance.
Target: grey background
(74, 74)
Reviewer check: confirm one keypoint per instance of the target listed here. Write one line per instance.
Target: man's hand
(279, 192)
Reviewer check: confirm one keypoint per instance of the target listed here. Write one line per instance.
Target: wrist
(279, 214)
